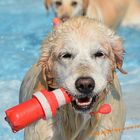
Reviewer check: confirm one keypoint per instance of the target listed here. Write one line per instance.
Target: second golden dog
(111, 12)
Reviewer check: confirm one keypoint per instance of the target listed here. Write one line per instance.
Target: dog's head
(65, 9)
(81, 56)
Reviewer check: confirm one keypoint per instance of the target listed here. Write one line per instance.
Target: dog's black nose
(85, 85)
(64, 18)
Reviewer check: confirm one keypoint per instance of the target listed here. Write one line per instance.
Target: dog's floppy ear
(118, 51)
(32, 82)
(40, 76)
(48, 3)
(46, 62)
(85, 5)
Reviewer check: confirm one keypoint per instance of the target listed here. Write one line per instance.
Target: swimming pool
(23, 26)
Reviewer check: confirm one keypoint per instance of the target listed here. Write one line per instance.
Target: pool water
(23, 26)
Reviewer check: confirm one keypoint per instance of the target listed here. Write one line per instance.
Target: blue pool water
(23, 26)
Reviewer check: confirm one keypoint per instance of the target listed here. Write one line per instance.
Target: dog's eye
(66, 56)
(99, 54)
(58, 3)
(74, 3)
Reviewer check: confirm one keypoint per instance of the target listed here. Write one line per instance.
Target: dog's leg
(43, 130)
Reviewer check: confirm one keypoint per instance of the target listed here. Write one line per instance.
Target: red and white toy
(44, 104)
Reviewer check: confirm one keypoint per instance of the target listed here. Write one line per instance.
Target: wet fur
(48, 73)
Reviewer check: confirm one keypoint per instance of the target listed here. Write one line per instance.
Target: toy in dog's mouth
(84, 104)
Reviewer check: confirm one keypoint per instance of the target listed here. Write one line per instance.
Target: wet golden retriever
(81, 56)
(111, 12)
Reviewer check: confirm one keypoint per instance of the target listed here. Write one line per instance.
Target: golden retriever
(111, 12)
(81, 56)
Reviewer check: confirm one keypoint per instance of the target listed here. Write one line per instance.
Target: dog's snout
(64, 18)
(85, 85)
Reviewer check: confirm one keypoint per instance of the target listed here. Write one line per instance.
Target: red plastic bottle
(44, 104)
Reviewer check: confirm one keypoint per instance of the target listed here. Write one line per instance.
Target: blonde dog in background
(111, 12)
(81, 56)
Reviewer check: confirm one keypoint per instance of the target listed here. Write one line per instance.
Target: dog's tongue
(104, 109)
